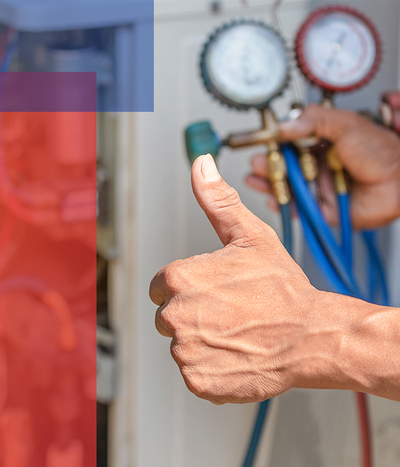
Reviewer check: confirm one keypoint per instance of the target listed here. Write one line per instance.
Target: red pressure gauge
(338, 49)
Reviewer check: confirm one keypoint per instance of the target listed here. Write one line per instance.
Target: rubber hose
(321, 229)
(346, 227)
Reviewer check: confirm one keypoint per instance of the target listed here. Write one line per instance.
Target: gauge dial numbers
(338, 49)
(244, 64)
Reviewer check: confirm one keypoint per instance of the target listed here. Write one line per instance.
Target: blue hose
(371, 281)
(309, 206)
(287, 227)
(320, 257)
(376, 265)
(255, 437)
(346, 228)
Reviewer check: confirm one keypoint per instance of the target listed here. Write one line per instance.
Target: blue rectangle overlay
(112, 38)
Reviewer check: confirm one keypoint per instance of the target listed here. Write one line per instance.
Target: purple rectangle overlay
(48, 92)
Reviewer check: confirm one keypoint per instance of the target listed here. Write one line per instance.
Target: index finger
(321, 122)
(158, 289)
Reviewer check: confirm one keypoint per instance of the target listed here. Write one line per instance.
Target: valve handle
(201, 139)
(390, 110)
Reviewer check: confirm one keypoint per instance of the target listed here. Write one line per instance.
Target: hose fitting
(308, 164)
(334, 163)
(277, 177)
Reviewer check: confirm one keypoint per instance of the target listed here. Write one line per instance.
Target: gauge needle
(336, 48)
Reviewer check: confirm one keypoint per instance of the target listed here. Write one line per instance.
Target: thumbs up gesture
(240, 317)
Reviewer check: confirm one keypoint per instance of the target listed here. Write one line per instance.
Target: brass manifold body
(270, 136)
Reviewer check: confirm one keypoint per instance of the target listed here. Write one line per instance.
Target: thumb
(318, 121)
(232, 221)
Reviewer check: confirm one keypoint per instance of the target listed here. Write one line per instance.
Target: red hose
(365, 429)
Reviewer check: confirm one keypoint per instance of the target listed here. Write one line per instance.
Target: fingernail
(209, 169)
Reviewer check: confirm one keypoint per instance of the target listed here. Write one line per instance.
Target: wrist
(349, 344)
(316, 361)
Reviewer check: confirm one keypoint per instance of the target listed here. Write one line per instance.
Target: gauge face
(245, 64)
(338, 49)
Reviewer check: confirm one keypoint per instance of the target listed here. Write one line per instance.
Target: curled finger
(158, 291)
(258, 183)
(162, 325)
(259, 165)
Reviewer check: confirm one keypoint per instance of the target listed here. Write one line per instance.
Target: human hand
(239, 317)
(369, 153)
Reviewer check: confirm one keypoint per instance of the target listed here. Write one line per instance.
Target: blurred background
(153, 420)
(148, 217)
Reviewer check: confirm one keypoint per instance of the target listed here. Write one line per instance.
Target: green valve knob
(201, 139)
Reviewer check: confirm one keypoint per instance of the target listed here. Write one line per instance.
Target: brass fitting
(309, 166)
(277, 176)
(334, 163)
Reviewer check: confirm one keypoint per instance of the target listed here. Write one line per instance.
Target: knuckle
(174, 276)
(227, 198)
(312, 109)
(162, 329)
(319, 117)
(178, 354)
(349, 120)
(314, 113)
(156, 290)
(195, 384)
(264, 238)
(199, 384)
(184, 353)
(167, 318)
(271, 233)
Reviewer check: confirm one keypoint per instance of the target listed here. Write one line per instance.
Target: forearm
(352, 345)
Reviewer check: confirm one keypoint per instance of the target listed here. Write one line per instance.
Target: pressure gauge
(338, 49)
(244, 64)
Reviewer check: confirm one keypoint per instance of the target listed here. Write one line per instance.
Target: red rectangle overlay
(48, 289)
